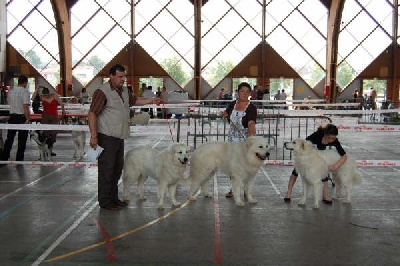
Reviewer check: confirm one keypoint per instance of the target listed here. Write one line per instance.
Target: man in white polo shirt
(19, 100)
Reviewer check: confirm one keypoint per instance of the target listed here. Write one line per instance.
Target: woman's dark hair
(244, 84)
(329, 129)
(22, 79)
(45, 91)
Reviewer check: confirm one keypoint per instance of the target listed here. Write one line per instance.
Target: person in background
(235, 95)
(3, 93)
(266, 96)
(19, 100)
(373, 96)
(149, 93)
(164, 98)
(159, 110)
(283, 97)
(324, 137)
(130, 90)
(50, 103)
(277, 96)
(109, 126)
(36, 103)
(158, 92)
(164, 94)
(260, 93)
(221, 94)
(355, 95)
(242, 116)
(254, 93)
(142, 89)
(84, 97)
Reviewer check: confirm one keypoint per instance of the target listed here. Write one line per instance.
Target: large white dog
(240, 161)
(312, 165)
(167, 167)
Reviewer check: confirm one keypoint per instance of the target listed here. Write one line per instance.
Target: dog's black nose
(268, 154)
(185, 159)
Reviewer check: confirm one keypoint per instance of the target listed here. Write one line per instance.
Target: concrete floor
(50, 216)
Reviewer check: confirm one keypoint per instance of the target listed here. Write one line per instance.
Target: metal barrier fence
(383, 113)
(201, 128)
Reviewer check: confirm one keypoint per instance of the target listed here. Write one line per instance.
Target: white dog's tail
(357, 178)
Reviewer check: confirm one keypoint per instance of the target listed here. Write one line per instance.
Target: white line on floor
(270, 181)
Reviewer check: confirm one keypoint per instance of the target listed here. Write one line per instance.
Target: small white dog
(167, 167)
(240, 161)
(312, 165)
(79, 139)
(141, 119)
(43, 143)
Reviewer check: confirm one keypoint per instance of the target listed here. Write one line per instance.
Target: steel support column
(197, 48)
(393, 89)
(334, 19)
(131, 71)
(63, 25)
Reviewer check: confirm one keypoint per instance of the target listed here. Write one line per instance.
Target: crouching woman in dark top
(323, 137)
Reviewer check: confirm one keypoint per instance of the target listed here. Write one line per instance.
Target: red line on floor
(108, 243)
(217, 224)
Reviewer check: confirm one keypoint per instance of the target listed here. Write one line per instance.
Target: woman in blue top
(322, 138)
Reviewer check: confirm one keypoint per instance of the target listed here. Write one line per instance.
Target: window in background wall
(279, 84)
(379, 85)
(37, 44)
(299, 35)
(365, 32)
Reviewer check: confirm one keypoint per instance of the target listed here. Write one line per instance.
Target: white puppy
(167, 167)
(312, 165)
(43, 143)
(79, 139)
(141, 119)
(240, 161)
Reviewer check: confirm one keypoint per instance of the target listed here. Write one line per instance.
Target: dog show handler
(109, 126)
(324, 137)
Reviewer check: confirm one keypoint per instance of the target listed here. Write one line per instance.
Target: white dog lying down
(167, 167)
(240, 161)
(312, 165)
(141, 119)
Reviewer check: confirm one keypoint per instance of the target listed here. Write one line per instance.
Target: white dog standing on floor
(240, 161)
(312, 165)
(79, 139)
(167, 167)
(43, 144)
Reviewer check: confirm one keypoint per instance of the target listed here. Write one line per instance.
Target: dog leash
(237, 129)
